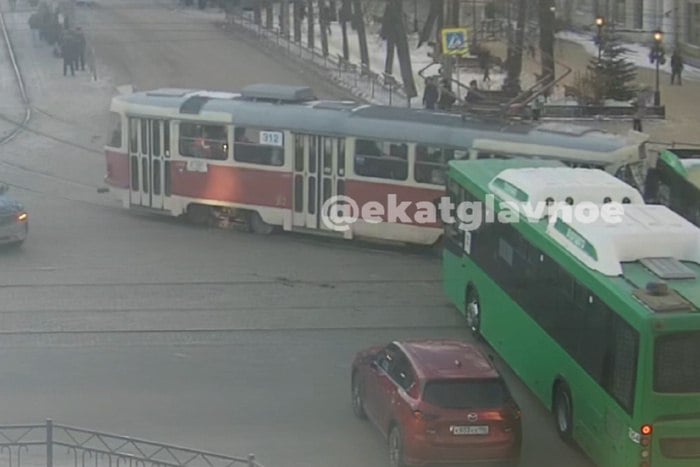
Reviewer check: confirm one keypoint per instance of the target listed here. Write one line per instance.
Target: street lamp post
(657, 56)
(600, 22)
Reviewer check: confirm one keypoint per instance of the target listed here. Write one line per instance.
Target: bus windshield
(677, 363)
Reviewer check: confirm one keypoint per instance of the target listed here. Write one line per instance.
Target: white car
(14, 221)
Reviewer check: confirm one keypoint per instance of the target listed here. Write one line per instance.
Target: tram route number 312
(271, 138)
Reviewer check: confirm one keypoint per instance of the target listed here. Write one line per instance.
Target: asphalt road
(217, 340)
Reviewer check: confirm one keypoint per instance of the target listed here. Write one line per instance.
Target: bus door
(319, 174)
(148, 149)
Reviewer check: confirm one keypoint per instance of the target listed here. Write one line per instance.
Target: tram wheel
(259, 226)
(198, 214)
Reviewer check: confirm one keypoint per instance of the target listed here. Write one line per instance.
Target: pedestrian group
(53, 27)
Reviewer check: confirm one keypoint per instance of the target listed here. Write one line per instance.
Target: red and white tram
(271, 156)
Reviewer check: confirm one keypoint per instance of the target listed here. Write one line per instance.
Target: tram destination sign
(272, 138)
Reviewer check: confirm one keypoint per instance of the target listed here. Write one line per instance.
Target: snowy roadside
(637, 54)
(69, 118)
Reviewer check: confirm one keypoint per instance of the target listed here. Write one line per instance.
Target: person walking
(537, 107)
(35, 26)
(446, 96)
(676, 67)
(639, 113)
(430, 94)
(80, 43)
(485, 64)
(69, 52)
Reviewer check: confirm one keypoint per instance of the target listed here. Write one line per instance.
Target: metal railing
(43, 444)
(373, 87)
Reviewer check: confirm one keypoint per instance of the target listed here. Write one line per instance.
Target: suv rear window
(466, 394)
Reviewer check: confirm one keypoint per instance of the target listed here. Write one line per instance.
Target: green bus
(674, 180)
(600, 320)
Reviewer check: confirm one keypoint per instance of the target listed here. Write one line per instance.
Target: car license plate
(470, 430)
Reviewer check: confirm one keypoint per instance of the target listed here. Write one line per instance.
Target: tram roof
(651, 244)
(342, 118)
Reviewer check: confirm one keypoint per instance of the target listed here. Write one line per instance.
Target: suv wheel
(358, 405)
(473, 311)
(395, 448)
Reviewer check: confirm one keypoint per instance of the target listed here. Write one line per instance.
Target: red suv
(437, 402)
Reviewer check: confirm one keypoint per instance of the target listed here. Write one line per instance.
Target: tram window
(134, 173)
(298, 153)
(341, 158)
(254, 146)
(327, 156)
(133, 135)
(431, 164)
(144, 178)
(381, 159)
(311, 208)
(144, 136)
(168, 180)
(155, 137)
(203, 141)
(312, 154)
(156, 176)
(299, 193)
(327, 189)
(166, 138)
(116, 124)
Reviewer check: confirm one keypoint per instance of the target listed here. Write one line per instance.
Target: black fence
(52, 444)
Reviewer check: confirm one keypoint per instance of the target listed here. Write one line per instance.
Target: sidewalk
(69, 116)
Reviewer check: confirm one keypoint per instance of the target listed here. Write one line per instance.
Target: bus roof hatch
(553, 185)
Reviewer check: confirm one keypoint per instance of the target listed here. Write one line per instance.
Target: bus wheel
(563, 411)
(473, 311)
(664, 194)
(259, 226)
(198, 214)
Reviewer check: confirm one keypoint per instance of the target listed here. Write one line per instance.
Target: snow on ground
(637, 54)
(377, 48)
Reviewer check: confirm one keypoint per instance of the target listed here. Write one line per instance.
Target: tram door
(319, 174)
(149, 151)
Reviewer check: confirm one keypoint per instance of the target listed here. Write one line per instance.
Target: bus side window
(621, 371)
(380, 159)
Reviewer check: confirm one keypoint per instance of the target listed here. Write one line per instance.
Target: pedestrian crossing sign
(454, 41)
